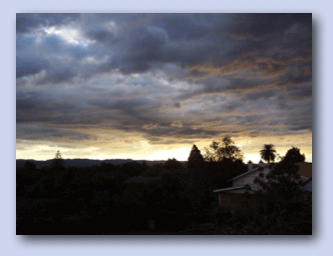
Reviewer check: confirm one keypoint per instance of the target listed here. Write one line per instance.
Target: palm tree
(268, 153)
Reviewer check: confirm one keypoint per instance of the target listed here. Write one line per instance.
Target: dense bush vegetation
(107, 199)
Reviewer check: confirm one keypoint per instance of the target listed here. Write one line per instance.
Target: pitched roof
(228, 189)
(246, 173)
(307, 185)
(305, 169)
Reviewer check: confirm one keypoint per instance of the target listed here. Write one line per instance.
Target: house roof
(228, 189)
(246, 173)
(255, 165)
(308, 185)
(309, 180)
(305, 171)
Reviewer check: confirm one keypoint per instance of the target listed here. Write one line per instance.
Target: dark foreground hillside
(135, 198)
(84, 162)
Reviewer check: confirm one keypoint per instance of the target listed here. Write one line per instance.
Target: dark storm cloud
(295, 76)
(301, 92)
(131, 112)
(27, 22)
(251, 119)
(229, 84)
(300, 116)
(58, 58)
(36, 107)
(213, 119)
(136, 51)
(159, 68)
(102, 35)
(165, 38)
(187, 39)
(187, 27)
(180, 133)
(26, 62)
(40, 107)
(261, 24)
(29, 65)
(27, 101)
(260, 94)
(37, 132)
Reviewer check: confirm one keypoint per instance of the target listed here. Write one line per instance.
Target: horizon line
(123, 159)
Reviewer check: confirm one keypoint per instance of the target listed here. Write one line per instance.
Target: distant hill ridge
(86, 162)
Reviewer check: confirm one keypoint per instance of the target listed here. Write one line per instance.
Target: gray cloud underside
(147, 115)
(141, 42)
(142, 73)
(38, 132)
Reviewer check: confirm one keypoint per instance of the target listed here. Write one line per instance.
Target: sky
(149, 86)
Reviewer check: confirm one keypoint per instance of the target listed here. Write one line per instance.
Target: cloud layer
(168, 79)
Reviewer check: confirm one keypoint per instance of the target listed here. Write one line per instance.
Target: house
(234, 198)
(307, 186)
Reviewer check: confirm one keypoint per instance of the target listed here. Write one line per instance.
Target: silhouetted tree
(131, 168)
(220, 150)
(268, 153)
(283, 200)
(220, 172)
(169, 181)
(154, 171)
(29, 166)
(285, 209)
(224, 160)
(58, 163)
(282, 182)
(284, 203)
(195, 159)
(107, 167)
(173, 164)
(144, 166)
(196, 164)
(294, 155)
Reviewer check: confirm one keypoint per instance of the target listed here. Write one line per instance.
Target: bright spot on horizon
(180, 154)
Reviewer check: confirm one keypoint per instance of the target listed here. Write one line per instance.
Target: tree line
(98, 200)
